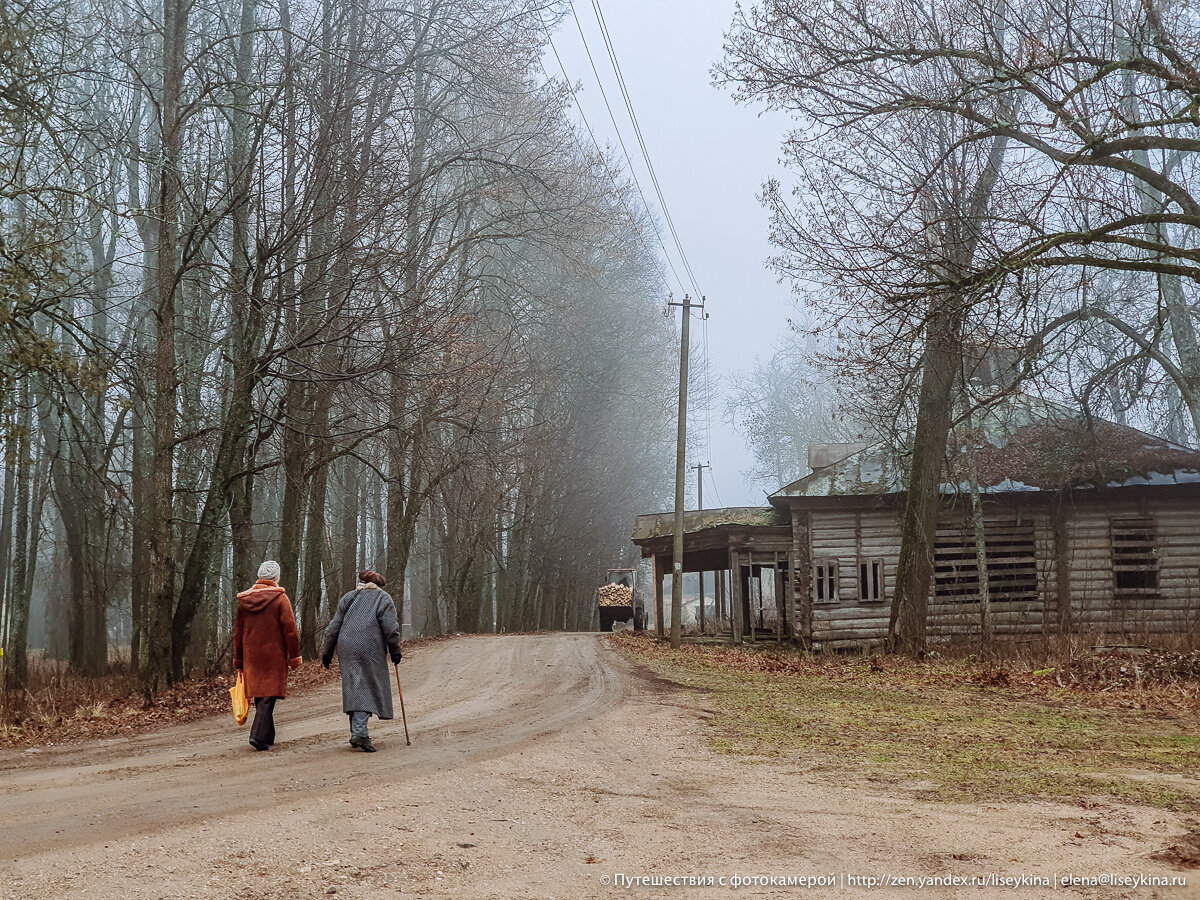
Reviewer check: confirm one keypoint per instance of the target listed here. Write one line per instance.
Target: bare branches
(278, 265)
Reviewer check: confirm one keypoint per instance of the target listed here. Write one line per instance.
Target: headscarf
(366, 576)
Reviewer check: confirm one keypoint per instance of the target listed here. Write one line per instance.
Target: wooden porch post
(724, 614)
(802, 576)
(748, 597)
(1062, 570)
(658, 595)
(780, 601)
(735, 597)
(718, 590)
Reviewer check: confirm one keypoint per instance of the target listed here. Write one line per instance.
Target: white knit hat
(269, 569)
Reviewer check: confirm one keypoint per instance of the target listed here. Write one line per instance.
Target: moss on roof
(662, 524)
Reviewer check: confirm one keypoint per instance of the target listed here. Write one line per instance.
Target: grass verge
(955, 730)
(67, 709)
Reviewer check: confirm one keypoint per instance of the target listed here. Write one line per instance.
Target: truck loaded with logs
(620, 602)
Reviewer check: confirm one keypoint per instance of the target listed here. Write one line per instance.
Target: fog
(711, 156)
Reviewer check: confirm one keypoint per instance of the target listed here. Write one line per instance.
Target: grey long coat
(364, 632)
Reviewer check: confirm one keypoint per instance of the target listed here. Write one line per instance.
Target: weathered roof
(662, 524)
(870, 471)
(1027, 444)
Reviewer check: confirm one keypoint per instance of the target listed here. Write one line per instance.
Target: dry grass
(59, 707)
(956, 729)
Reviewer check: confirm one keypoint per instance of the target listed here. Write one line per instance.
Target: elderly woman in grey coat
(364, 632)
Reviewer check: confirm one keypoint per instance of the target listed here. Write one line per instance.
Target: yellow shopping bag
(241, 706)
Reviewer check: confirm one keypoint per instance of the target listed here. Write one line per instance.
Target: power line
(596, 143)
(637, 129)
(633, 173)
(587, 48)
(667, 217)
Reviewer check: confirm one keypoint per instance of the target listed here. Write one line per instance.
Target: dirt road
(540, 766)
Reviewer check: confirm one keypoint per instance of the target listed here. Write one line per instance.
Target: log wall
(849, 537)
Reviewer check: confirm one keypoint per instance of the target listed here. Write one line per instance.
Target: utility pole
(700, 467)
(681, 472)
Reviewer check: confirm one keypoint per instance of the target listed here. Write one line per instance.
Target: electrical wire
(713, 482)
(706, 374)
(632, 171)
(645, 151)
(637, 129)
(625, 149)
(596, 143)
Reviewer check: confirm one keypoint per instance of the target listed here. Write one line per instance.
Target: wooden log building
(1087, 527)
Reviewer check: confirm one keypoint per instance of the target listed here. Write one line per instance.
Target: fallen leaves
(1138, 678)
(126, 712)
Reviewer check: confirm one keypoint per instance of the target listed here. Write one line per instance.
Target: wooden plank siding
(845, 537)
(1173, 607)
(1022, 605)
(1051, 564)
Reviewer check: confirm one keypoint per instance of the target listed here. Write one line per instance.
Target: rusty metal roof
(1027, 444)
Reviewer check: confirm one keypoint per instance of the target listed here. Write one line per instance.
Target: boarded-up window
(1135, 560)
(870, 580)
(825, 581)
(1011, 563)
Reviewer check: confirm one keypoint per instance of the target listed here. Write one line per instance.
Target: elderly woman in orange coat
(265, 645)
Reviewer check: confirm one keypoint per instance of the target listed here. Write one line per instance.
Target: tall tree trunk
(139, 573)
(941, 364)
(141, 445)
(17, 672)
(210, 533)
(161, 531)
(291, 523)
(227, 483)
(241, 530)
(348, 557)
(314, 535)
(981, 556)
(6, 526)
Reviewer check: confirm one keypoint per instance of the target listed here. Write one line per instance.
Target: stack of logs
(616, 595)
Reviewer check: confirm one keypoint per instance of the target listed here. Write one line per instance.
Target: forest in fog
(348, 285)
(325, 281)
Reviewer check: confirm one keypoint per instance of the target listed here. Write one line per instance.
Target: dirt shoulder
(951, 730)
(541, 766)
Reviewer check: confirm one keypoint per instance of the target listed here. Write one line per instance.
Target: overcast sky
(712, 157)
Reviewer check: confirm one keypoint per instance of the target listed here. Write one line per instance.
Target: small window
(1135, 558)
(825, 581)
(870, 580)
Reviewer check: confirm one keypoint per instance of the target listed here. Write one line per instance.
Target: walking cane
(403, 714)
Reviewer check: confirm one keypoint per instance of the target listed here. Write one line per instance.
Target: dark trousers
(262, 730)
